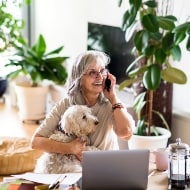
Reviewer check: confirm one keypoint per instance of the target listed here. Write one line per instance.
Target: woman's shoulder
(62, 104)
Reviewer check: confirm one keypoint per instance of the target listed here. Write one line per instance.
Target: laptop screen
(115, 169)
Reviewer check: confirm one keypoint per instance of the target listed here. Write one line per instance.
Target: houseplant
(11, 25)
(157, 40)
(38, 66)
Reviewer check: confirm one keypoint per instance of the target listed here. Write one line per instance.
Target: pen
(56, 183)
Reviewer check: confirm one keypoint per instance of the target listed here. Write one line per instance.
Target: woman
(87, 87)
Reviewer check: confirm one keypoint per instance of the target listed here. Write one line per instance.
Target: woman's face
(93, 79)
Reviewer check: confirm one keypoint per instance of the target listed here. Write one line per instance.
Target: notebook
(115, 169)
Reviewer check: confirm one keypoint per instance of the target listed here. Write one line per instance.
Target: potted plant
(38, 66)
(157, 40)
(11, 25)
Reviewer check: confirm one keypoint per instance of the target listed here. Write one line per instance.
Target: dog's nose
(96, 122)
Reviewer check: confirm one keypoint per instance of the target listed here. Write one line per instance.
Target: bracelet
(117, 105)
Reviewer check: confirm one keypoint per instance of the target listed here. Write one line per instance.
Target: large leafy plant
(11, 23)
(35, 62)
(157, 40)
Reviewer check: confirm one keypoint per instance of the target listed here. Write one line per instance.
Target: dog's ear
(69, 124)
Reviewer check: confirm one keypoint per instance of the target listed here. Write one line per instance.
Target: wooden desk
(158, 181)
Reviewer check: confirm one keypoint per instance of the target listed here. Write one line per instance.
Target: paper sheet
(71, 178)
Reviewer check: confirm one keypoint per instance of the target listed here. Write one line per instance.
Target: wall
(182, 92)
(62, 22)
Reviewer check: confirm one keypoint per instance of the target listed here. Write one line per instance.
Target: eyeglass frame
(96, 72)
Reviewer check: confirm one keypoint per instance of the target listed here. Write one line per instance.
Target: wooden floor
(10, 123)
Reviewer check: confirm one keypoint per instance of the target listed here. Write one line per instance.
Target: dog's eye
(84, 117)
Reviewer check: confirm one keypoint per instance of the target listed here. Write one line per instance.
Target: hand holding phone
(107, 84)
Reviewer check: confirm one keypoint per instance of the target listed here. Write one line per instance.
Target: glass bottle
(177, 172)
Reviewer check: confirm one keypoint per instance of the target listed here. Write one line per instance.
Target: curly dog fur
(76, 122)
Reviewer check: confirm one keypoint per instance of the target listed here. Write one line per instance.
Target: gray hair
(80, 66)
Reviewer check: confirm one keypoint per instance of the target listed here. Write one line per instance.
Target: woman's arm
(124, 123)
(41, 141)
(47, 145)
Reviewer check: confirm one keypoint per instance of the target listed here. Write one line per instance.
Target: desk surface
(158, 181)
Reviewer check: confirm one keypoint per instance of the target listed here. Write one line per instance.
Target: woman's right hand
(77, 147)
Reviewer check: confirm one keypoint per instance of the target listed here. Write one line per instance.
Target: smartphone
(107, 84)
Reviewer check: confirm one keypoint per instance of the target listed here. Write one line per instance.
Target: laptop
(115, 170)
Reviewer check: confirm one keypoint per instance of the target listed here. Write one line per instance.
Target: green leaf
(56, 51)
(141, 40)
(151, 4)
(40, 46)
(162, 118)
(182, 27)
(154, 130)
(188, 44)
(155, 36)
(160, 56)
(135, 3)
(171, 17)
(188, 31)
(125, 20)
(168, 41)
(149, 50)
(140, 127)
(176, 53)
(152, 77)
(150, 22)
(130, 31)
(128, 82)
(131, 14)
(179, 37)
(13, 74)
(166, 23)
(134, 62)
(174, 75)
(139, 99)
(138, 40)
(139, 104)
(137, 71)
(120, 2)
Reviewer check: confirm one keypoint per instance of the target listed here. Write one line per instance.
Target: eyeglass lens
(94, 73)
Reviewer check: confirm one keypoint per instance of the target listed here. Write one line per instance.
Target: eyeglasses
(94, 74)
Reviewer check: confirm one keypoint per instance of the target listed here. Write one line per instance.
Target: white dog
(76, 122)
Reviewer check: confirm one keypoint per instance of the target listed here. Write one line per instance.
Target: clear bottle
(178, 159)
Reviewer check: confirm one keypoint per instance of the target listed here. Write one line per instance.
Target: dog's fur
(77, 122)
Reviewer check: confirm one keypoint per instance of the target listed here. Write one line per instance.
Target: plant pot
(150, 142)
(31, 102)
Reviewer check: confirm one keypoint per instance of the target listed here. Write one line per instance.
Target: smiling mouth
(98, 84)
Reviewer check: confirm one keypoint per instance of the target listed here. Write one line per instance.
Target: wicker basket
(16, 155)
